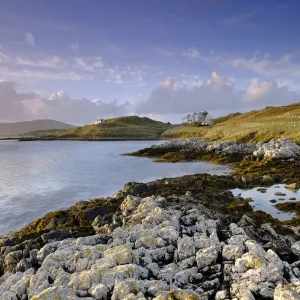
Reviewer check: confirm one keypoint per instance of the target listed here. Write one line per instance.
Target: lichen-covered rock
(186, 247)
(296, 249)
(8, 296)
(172, 248)
(179, 294)
(287, 292)
(207, 257)
(54, 293)
(99, 291)
(282, 148)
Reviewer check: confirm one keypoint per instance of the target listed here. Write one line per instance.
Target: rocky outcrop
(159, 248)
(275, 149)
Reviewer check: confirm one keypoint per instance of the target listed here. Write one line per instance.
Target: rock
(293, 186)
(287, 292)
(100, 222)
(207, 257)
(222, 295)
(179, 295)
(188, 194)
(279, 194)
(23, 265)
(93, 212)
(296, 249)
(8, 296)
(99, 291)
(162, 250)
(125, 288)
(186, 247)
(57, 292)
(12, 259)
(56, 235)
(84, 280)
(232, 252)
(268, 179)
(282, 148)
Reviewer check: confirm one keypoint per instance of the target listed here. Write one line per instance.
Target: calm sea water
(38, 177)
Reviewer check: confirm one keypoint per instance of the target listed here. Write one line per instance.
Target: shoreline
(200, 233)
(91, 139)
(242, 166)
(191, 227)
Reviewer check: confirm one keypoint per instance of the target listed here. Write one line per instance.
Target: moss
(261, 217)
(134, 291)
(289, 206)
(74, 218)
(262, 190)
(279, 194)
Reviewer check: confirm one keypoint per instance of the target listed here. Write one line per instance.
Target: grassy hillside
(262, 125)
(17, 128)
(132, 127)
(225, 118)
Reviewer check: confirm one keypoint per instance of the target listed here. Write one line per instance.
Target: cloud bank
(171, 97)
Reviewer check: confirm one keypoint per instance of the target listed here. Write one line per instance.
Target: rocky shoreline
(275, 149)
(159, 248)
(175, 238)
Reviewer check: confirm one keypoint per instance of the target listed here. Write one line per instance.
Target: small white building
(100, 121)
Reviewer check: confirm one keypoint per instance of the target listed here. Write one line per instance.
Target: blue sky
(184, 54)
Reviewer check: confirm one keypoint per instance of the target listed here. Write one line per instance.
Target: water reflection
(38, 177)
(265, 199)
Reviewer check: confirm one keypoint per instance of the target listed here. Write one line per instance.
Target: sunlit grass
(125, 127)
(263, 125)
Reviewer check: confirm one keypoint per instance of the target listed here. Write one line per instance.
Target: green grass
(225, 118)
(262, 125)
(132, 127)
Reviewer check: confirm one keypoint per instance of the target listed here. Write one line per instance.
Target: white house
(100, 121)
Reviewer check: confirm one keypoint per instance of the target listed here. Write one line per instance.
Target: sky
(78, 61)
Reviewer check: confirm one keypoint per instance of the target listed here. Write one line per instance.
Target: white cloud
(11, 102)
(170, 100)
(48, 62)
(92, 64)
(192, 53)
(74, 68)
(283, 66)
(130, 77)
(59, 106)
(6, 72)
(215, 94)
(29, 39)
(3, 57)
(268, 92)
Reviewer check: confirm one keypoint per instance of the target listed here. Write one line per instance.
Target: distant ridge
(18, 128)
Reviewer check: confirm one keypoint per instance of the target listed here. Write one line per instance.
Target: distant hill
(131, 127)
(258, 125)
(18, 128)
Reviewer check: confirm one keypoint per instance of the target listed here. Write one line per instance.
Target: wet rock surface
(157, 248)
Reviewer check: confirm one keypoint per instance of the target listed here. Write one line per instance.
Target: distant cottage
(100, 121)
